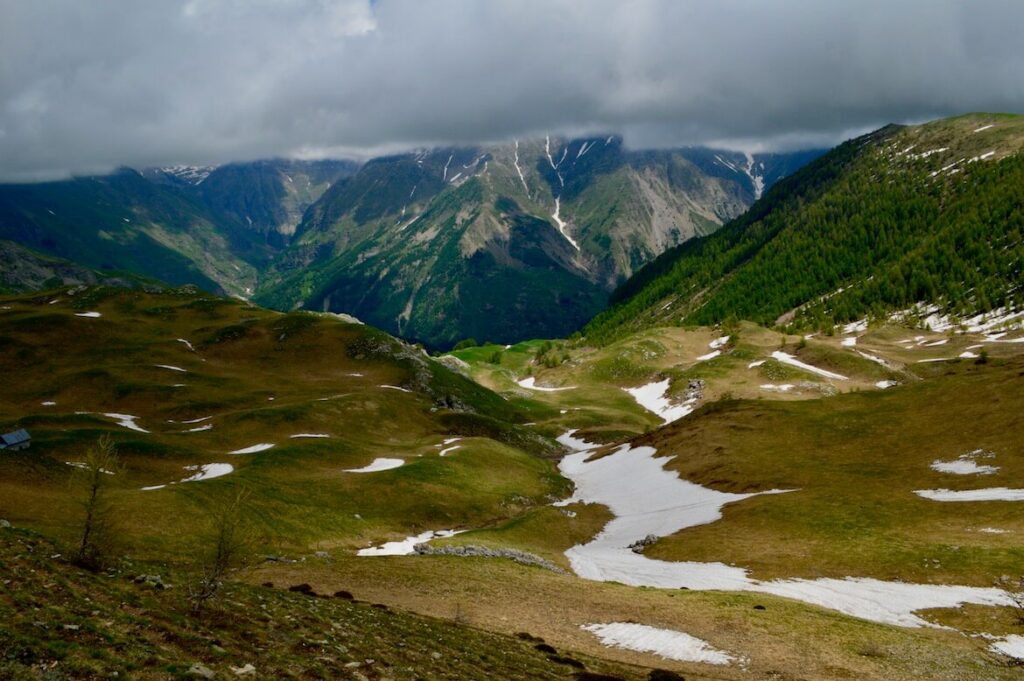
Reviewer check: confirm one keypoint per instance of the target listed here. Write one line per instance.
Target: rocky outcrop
(521, 557)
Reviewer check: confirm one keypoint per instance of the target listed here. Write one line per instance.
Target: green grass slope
(248, 376)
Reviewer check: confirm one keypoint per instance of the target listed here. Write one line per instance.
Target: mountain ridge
(405, 242)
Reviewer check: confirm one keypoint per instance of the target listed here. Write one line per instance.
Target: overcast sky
(86, 86)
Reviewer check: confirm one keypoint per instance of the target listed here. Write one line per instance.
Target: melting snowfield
(206, 471)
(91, 315)
(967, 464)
(262, 447)
(378, 464)
(1011, 646)
(652, 398)
(407, 546)
(170, 367)
(530, 383)
(671, 645)
(127, 421)
(718, 342)
(647, 499)
(448, 450)
(793, 361)
(987, 494)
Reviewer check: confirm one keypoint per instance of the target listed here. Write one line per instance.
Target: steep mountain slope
(123, 221)
(22, 269)
(930, 215)
(434, 245)
(271, 196)
(214, 227)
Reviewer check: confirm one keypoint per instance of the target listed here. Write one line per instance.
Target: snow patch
(561, 223)
(859, 326)
(171, 368)
(793, 361)
(987, 494)
(665, 643)
(91, 315)
(574, 443)
(530, 383)
(718, 342)
(882, 385)
(874, 358)
(308, 435)
(849, 342)
(207, 471)
(407, 546)
(652, 397)
(967, 464)
(710, 355)
(1011, 646)
(187, 344)
(126, 421)
(646, 499)
(262, 447)
(783, 388)
(84, 466)
(757, 180)
(378, 464)
(520, 171)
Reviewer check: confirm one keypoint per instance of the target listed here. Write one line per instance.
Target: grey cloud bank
(88, 86)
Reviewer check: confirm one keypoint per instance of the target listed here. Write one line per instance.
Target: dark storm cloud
(86, 86)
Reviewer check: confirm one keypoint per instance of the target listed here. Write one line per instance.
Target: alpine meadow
(596, 341)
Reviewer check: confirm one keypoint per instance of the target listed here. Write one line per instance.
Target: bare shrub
(227, 548)
(92, 481)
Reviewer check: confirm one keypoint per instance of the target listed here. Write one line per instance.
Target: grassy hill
(926, 214)
(180, 379)
(204, 377)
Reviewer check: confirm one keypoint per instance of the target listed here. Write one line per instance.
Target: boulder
(201, 671)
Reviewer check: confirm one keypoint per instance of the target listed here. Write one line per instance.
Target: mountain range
(503, 242)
